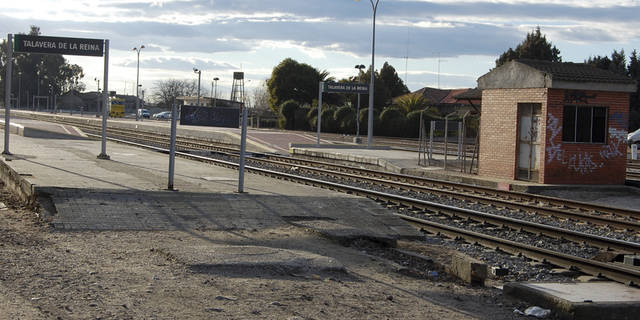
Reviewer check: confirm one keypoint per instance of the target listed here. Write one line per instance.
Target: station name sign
(58, 45)
(346, 87)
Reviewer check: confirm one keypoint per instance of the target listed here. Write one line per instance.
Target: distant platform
(581, 301)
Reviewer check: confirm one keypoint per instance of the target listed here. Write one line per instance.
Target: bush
(393, 122)
(287, 114)
(300, 118)
(345, 119)
(413, 124)
(328, 122)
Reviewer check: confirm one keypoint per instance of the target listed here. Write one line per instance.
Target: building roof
(471, 94)
(518, 74)
(580, 72)
(441, 96)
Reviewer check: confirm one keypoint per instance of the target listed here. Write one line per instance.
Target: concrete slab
(590, 300)
(80, 192)
(239, 260)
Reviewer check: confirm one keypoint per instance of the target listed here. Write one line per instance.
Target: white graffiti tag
(554, 151)
(583, 162)
(617, 141)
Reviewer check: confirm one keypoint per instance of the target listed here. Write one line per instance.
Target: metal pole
(358, 119)
(19, 88)
(172, 149)
(373, 71)
(7, 95)
(212, 88)
(215, 95)
(105, 90)
(199, 74)
(431, 132)
(137, 87)
(319, 122)
(243, 147)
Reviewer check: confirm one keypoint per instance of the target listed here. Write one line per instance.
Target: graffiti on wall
(582, 162)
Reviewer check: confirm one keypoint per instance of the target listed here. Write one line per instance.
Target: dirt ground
(47, 274)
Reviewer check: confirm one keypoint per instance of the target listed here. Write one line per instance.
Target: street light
(374, 6)
(215, 94)
(137, 50)
(199, 72)
(359, 67)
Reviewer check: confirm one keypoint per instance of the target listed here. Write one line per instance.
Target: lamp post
(19, 87)
(98, 96)
(199, 72)
(215, 92)
(374, 6)
(359, 67)
(137, 50)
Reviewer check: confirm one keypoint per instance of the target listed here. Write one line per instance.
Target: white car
(162, 115)
(634, 137)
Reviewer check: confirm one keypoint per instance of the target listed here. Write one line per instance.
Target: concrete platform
(239, 260)
(303, 143)
(80, 192)
(590, 300)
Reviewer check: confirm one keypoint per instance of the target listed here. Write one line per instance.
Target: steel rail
(543, 203)
(596, 268)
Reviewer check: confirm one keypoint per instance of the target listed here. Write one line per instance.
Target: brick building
(554, 123)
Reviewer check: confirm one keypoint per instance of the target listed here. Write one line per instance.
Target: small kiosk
(554, 123)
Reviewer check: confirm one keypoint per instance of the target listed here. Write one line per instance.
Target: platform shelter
(554, 123)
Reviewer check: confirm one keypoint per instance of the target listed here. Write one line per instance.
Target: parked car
(164, 115)
(634, 137)
(144, 113)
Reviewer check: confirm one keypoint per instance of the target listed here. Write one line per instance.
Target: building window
(584, 124)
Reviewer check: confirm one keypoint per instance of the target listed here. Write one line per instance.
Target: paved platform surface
(128, 193)
(590, 300)
(303, 143)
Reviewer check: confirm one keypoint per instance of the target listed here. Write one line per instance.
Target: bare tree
(166, 91)
(260, 100)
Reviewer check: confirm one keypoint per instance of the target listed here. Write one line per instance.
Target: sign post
(337, 87)
(70, 46)
(7, 96)
(319, 122)
(243, 148)
(105, 109)
(172, 148)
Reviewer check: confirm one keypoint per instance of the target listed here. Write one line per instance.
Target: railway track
(576, 211)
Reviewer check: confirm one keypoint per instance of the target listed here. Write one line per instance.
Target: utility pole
(137, 49)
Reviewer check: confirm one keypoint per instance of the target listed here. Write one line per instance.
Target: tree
(166, 91)
(617, 63)
(411, 102)
(293, 80)
(392, 82)
(40, 74)
(633, 71)
(535, 46)
(260, 97)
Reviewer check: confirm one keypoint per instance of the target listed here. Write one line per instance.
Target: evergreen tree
(535, 46)
(39, 74)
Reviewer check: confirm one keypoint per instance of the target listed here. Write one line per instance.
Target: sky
(440, 44)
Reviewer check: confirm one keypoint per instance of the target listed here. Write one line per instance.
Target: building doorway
(529, 128)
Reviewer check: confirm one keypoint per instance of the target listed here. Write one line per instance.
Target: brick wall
(498, 129)
(586, 163)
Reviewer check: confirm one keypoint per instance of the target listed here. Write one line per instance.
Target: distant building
(92, 101)
(207, 101)
(445, 99)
